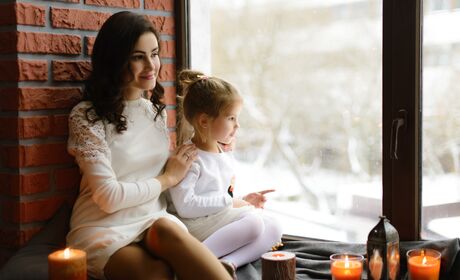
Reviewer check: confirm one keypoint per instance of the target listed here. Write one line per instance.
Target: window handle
(398, 123)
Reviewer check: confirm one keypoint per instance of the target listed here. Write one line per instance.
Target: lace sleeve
(86, 140)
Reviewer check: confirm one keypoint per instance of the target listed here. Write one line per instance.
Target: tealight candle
(346, 266)
(69, 264)
(423, 264)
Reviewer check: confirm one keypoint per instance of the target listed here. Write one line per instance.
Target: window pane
(441, 120)
(310, 74)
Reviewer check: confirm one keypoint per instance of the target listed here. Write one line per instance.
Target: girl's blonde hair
(197, 94)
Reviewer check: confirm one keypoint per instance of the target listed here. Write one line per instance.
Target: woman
(120, 142)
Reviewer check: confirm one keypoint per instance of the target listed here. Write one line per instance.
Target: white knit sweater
(204, 190)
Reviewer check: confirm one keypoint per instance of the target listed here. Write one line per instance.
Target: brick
(35, 126)
(45, 154)
(67, 179)
(167, 73)
(24, 184)
(71, 70)
(10, 99)
(49, 98)
(32, 183)
(162, 5)
(7, 14)
(9, 70)
(32, 42)
(168, 49)
(43, 126)
(22, 13)
(9, 183)
(89, 44)
(170, 96)
(77, 19)
(39, 98)
(33, 70)
(29, 14)
(35, 155)
(114, 3)
(164, 25)
(31, 211)
(171, 118)
(60, 125)
(23, 70)
(9, 209)
(9, 156)
(9, 128)
(9, 41)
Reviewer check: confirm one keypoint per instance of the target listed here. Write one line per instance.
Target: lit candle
(423, 264)
(346, 266)
(69, 264)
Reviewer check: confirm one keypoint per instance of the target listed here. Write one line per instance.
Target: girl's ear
(203, 120)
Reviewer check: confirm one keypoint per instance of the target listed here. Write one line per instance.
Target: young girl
(230, 227)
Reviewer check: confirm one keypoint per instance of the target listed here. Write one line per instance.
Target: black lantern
(383, 252)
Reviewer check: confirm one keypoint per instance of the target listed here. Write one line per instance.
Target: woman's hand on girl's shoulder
(177, 165)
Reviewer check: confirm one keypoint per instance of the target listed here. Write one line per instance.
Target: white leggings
(245, 240)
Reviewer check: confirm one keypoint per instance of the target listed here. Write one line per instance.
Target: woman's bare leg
(134, 262)
(188, 257)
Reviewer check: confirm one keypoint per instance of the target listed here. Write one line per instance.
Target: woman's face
(144, 63)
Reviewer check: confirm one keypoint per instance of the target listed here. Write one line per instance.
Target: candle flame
(278, 255)
(424, 261)
(347, 264)
(66, 253)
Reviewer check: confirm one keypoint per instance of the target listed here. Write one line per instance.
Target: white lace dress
(119, 197)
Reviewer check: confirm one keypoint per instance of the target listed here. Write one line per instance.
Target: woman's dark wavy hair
(110, 59)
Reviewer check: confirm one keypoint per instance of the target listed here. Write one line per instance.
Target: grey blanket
(312, 258)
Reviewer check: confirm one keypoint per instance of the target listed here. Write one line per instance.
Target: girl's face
(144, 63)
(224, 127)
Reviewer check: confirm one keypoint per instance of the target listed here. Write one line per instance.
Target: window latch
(398, 123)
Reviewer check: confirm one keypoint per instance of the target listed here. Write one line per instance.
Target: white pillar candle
(69, 264)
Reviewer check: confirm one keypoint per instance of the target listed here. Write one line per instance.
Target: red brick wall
(45, 49)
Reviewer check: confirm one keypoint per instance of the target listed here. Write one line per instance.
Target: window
(310, 74)
(441, 124)
(312, 68)
(431, 6)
